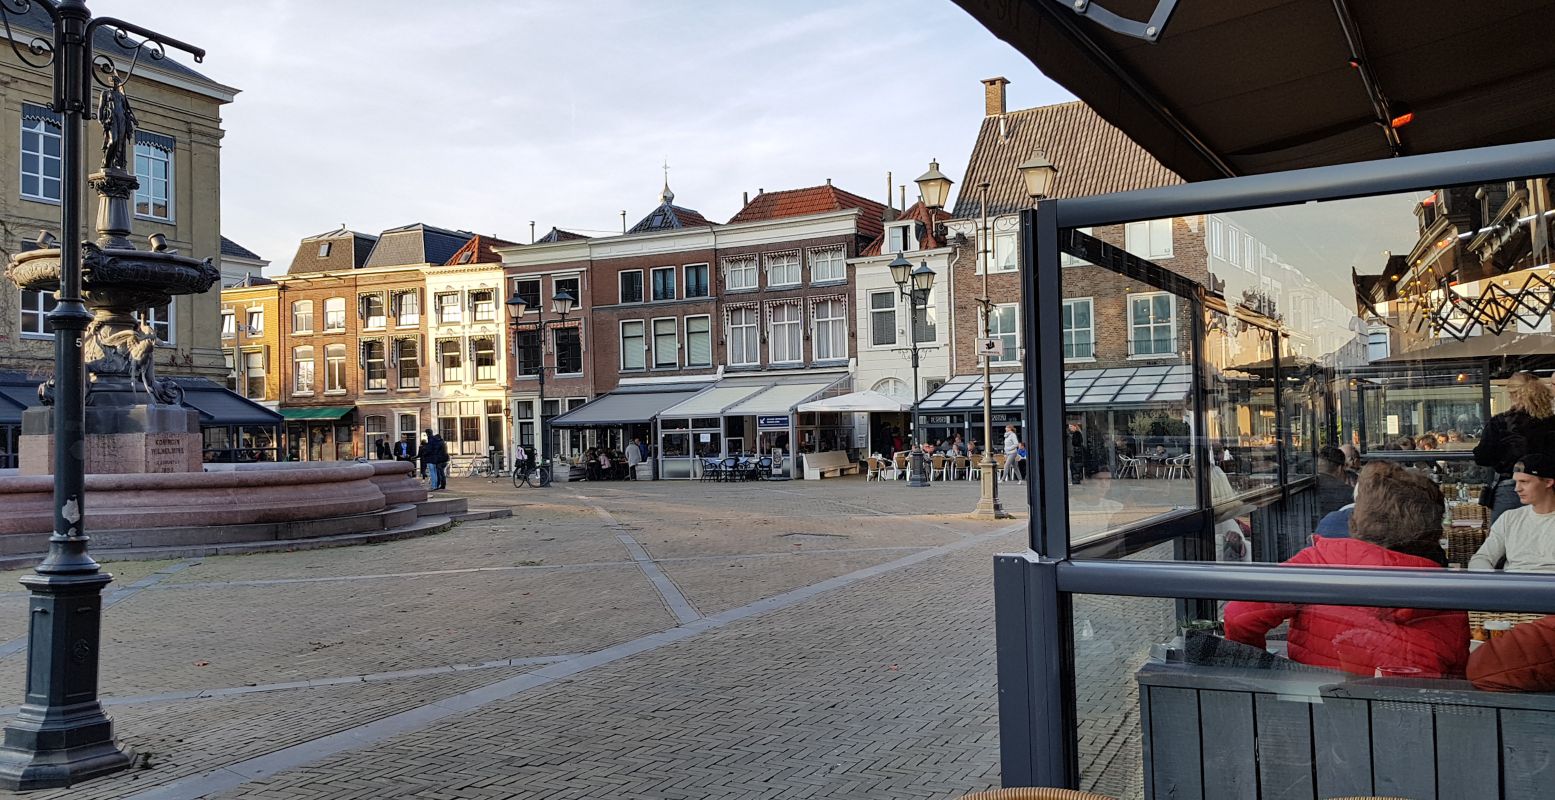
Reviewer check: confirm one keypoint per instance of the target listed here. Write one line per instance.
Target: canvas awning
(628, 405)
(1084, 389)
(780, 398)
(1260, 86)
(315, 412)
(219, 406)
(856, 402)
(756, 395)
(965, 393)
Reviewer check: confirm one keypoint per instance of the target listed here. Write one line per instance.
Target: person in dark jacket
(1528, 426)
(434, 454)
(1333, 491)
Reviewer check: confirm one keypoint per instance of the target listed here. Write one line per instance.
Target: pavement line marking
(114, 597)
(673, 598)
(231, 776)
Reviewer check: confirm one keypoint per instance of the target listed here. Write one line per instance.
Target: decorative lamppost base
(61, 736)
(988, 505)
(915, 477)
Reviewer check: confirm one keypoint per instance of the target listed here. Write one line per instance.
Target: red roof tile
(919, 214)
(812, 200)
(478, 251)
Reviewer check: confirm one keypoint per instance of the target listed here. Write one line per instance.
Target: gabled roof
(812, 200)
(347, 249)
(559, 235)
(479, 251)
(250, 280)
(926, 238)
(235, 250)
(1092, 157)
(669, 217)
(417, 243)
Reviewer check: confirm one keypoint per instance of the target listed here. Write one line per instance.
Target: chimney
(745, 199)
(993, 96)
(890, 210)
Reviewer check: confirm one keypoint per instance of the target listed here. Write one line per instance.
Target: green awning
(316, 412)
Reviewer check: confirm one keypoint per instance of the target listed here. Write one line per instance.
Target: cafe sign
(772, 422)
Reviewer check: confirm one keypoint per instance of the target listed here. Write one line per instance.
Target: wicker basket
(1463, 541)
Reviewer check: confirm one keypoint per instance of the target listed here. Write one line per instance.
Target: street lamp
(1038, 173)
(562, 304)
(913, 284)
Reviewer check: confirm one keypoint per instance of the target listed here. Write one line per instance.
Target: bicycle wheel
(519, 475)
(540, 476)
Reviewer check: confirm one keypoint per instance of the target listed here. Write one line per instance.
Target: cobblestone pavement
(653, 640)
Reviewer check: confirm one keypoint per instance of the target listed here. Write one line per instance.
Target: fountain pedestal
(119, 440)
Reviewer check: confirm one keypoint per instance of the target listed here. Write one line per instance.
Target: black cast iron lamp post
(562, 303)
(913, 284)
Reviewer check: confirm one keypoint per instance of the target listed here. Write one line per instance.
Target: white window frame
(901, 237)
(249, 376)
(484, 373)
(148, 314)
(324, 248)
(370, 322)
(1233, 246)
(153, 187)
(1066, 260)
(297, 328)
(673, 285)
(1011, 338)
(37, 311)
(416, 360)
(1069, 330)
(748, 334)
(743, 266)
(1006, 251)
(828, 256)
(642, 287)
(896, 331)
(298, 386)
(382, 360)
(640, 348)
(791, 264)
(707, 280)
(1372, 341)
(339, 313)
(229, 323)
(45, 130)
(792, 329)
(674, 330)
(1157, 242)
(255, 320)
(925, 315)
(450, 374)
(708, 332)
(330, 370)
(1133, 341)
(444, 317)
(1217, 238)
(404, 318)
(835, 333)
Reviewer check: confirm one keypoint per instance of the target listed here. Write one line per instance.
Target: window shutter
(1161, 238)
(699, 347)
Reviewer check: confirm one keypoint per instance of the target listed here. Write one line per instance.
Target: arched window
(335, 314)
(302, 316)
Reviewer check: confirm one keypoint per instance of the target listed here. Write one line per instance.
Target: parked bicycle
(527, 473)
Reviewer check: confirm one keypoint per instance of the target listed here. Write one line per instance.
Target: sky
(484, 115)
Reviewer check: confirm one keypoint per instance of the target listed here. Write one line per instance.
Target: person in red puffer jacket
(1397, 522)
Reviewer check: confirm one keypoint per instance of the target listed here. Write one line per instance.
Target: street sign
(772, 422)
(992, 347)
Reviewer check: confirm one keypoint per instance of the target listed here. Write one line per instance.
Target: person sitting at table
(1524, 536)
(1521, 660)
(1397, 522)
(591, 465)
(1333, 491)
(604, 465)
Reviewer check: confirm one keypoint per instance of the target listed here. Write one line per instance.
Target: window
(377, 428)
(568, 285)
(450, 361)
(1004, 324)
(485, 355)
(371, 307)
(1378, 344)
(1079, 331)
(1152, 325)
(302, 370)
(1152, 239)
(154, 171)
(483, 304)
(740, 273)
(1234, 246)
(664, 283)
(633, 345)
(407, 308)
(324, 249)
(696, 280)
(335, 368)
(826, 264)
(923, 330)
(374, 367)
(786, 339)
(40, 154)
(666, 343)
(743, 344)
(1217, 238)
(160, 318)
(408, 354)
(699, 341)
(882, 319)
(335, 314)
(302, 316)
(229, 325)
(831, 330)
(528, 289)
(35, 312)
(448, 309)
(1006, 252)
(1066, 260)
(254, 372)
(899, 238)
(527, 351)
(632, 286)
(1249, 260)
(232, 369)
(783, 268)
(256, 322)
(568, 343)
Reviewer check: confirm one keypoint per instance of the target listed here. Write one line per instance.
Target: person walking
(634, 456)
(434, 454)
(1011, 454)
(1528, 426)
(1075, 451)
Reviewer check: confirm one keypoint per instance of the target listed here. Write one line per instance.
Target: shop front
(754, 416)
(320, 433)
(956, 409)
(615, 419)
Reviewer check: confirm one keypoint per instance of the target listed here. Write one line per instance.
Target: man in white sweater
(1525, 536)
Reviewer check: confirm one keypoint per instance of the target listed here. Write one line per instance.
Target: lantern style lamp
(933, 187)
(1038, 173)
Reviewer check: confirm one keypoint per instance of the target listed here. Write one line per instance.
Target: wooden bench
(829, 464)
(1210, 732)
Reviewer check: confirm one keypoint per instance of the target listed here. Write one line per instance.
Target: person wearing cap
(1524, 536)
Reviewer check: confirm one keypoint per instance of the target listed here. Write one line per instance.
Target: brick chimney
(993, 96)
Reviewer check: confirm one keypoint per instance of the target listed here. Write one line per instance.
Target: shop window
(633, 345)
(568, 343)
(699, 341)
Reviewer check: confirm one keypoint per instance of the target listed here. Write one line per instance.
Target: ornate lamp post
(561, 303)
(61, 736)
(913, 284)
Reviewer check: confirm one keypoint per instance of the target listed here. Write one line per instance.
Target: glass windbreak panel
(1307, 341)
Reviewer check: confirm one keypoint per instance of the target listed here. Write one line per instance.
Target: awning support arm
(1149, 30)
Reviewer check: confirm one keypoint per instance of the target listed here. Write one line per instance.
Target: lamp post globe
(1038, 173)
(900, 269)
(923, 278)
(562, 303)
(517, 307)
(933, 186)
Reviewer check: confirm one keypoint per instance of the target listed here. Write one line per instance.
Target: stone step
(443, 504)
(419, 526)
(391, 517)
(484, 513)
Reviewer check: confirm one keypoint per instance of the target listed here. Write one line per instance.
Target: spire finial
(666, 196)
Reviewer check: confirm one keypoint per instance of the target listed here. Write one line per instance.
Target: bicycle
(536, 476)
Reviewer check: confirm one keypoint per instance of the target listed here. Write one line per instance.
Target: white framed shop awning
(712, 402)
(627, 405)
(1084, 389)
(856, 402)
(756, 395)
(780, 398)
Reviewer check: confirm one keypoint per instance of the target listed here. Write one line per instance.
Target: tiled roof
(926, 238)
(668, 217)
(417, 243)
(347, 250)
(1092, 157)
(250, 280)
(559, 235)
(478, 251)
(231, 248)
(812, 200)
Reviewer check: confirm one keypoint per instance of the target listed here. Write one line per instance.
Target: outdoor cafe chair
(1130, 467)
(729, 469)
(937, 467)
(764, 468)
(900, 459)
(1178, 467)
(1036, 793)
(998, 466)
(959, 467)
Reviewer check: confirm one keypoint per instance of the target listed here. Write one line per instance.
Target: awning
(780, 398)
(11, 407)
(218, 406)
(1084, 390)
(965, 393)
(628, 405)
(755, 395)
(1506, 345)
(315, 412)
(1266, 85)
(856, 402)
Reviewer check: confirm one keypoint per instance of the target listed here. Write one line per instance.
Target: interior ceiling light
(1402, 115)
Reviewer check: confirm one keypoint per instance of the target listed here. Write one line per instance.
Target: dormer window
(900, 239)
(324, 250)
